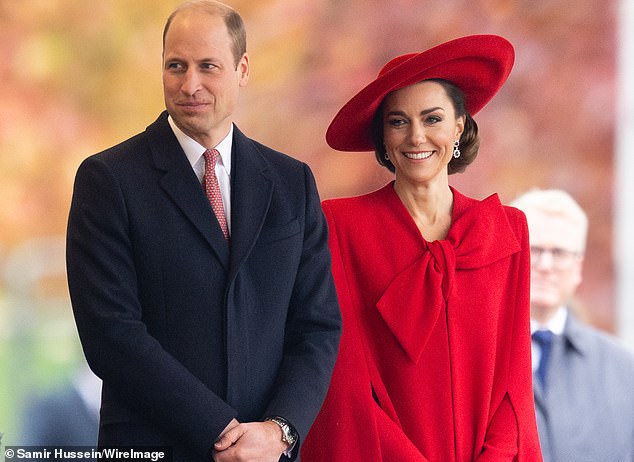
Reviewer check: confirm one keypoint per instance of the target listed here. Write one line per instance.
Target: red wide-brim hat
(477, 64)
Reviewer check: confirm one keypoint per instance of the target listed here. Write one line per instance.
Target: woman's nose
(417, 134)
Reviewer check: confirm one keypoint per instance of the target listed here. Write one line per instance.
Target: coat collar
(428, 281)
(251, 193)
(575, 335)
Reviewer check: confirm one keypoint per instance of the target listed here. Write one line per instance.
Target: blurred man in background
(68, 416)
(583, 379)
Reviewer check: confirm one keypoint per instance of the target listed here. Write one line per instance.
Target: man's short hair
(554, 202)
(233, 21)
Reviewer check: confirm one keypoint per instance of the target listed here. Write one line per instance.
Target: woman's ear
(460, 123)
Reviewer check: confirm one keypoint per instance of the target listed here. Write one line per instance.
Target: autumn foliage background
(79, 76)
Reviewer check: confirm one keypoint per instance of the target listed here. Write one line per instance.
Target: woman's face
(419, 130)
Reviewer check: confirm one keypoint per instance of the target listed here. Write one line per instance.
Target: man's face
(556, 261)
(200, 80)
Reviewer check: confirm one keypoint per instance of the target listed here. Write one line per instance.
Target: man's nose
(544, 260)
(191, 82)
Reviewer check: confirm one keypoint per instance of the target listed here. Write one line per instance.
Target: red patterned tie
(212, 189)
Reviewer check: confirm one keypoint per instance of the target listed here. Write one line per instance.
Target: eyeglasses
(560, 258)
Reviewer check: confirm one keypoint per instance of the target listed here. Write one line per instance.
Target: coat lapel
(538, 392)
(181, 184)
(251, 193)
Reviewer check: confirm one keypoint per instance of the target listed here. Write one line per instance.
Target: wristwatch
(289, 435)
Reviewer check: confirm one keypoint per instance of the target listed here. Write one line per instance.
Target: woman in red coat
(434, 362)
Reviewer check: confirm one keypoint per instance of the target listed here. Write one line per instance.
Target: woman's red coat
(434, 362)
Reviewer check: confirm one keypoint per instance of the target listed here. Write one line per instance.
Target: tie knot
(211, 156)
(543, 337)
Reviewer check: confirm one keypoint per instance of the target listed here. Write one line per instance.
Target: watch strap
(289, 434)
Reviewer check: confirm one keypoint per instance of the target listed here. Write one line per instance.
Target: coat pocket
(277, 233)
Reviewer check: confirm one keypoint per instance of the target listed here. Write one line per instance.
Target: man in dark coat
(199, 270)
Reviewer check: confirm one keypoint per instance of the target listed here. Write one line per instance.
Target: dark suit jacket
(185, 332)
(587, 411)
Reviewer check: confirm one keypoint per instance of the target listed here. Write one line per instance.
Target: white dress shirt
(194, 152)
(556, 325)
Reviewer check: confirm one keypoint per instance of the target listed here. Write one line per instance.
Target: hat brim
(477, 64)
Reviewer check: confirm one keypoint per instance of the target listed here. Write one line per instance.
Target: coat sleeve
(102, 280)
(351, 426)
(512, 430)
(501, 439)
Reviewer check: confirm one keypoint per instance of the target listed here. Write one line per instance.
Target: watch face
(289, 434)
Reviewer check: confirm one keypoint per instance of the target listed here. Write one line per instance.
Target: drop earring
(456, 151)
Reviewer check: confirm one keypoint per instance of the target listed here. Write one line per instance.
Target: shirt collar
(194, 151)
(556, 324)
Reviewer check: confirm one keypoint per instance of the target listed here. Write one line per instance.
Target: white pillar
(624, 174)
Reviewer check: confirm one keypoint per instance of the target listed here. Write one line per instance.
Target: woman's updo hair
(469, 140)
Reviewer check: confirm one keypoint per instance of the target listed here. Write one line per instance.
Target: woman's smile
(418, 155)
